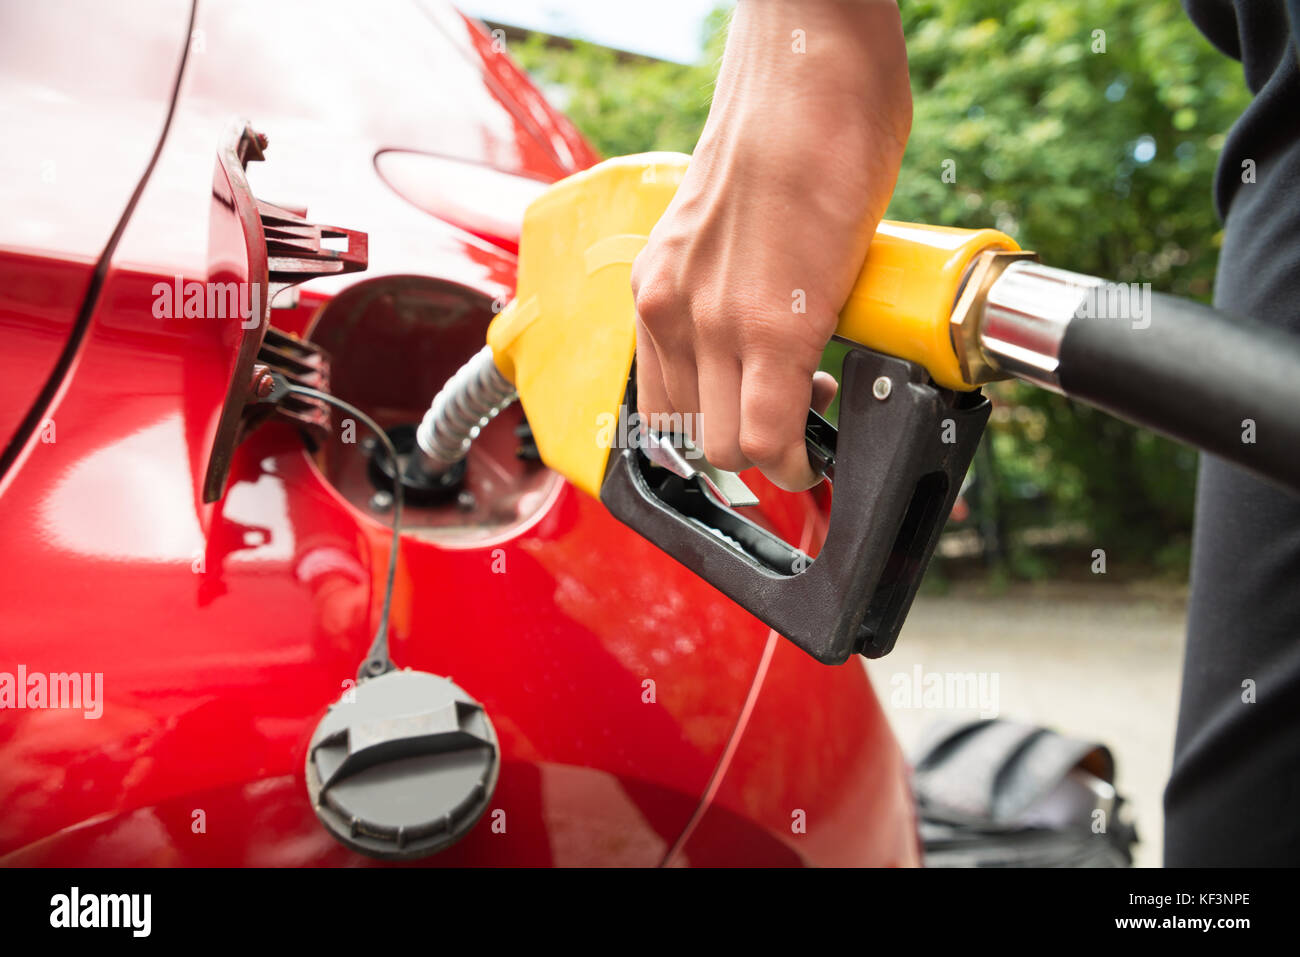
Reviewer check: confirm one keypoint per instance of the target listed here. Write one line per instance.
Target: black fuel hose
(1230, 387)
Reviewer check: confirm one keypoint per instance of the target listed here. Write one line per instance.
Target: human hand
(739, 287)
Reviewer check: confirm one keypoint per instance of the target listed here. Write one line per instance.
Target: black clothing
(1234, 795)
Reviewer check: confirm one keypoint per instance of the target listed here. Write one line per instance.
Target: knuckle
(714, 323)
(654, 297)
(760, 446)
(724, 453)
(642, 266)
(785, 340)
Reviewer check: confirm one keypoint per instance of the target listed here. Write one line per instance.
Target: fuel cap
(403, 765)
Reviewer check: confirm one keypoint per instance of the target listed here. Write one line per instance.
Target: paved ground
(1100, 661)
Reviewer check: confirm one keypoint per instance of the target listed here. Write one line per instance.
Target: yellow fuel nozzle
(568, 338)
(938, 311)
(904, 301)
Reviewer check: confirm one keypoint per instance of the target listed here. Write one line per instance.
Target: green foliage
(629, 106)
(1042, 130)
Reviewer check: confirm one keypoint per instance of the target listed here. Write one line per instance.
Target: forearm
(825, 79)
(819, 54)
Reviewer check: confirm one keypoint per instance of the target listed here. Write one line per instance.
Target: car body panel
(617, 681)
(82, 118)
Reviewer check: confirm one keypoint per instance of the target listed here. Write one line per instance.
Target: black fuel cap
(403, 765)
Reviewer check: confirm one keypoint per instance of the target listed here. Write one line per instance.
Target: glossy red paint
(481, 200)
(60, 200)
(222, 632)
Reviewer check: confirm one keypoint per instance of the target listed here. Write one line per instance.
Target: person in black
(1234, 794)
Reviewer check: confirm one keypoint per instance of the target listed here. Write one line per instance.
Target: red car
(190, 576)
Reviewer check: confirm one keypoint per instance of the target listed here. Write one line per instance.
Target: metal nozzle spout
(472, 398)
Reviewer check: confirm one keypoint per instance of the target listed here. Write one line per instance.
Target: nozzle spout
(472, 398)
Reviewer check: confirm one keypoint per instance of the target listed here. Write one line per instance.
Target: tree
(628, 105)
(1089, 131)
(1086, 129)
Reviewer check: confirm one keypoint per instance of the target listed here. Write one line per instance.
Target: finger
(824, 388)
(719, 389)
(680, 378)
(775, 398)
(651, 396)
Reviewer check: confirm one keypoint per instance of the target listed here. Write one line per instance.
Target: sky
(668, 29)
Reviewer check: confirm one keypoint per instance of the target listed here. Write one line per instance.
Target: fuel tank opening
(419, 485)
(394, 341)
